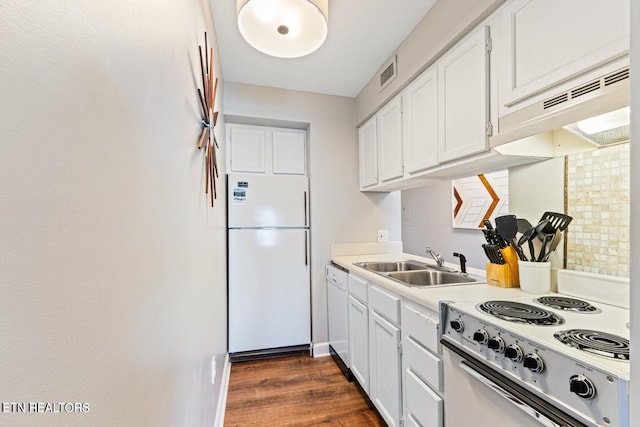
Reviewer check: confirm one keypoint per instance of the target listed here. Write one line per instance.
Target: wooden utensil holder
(504, 275)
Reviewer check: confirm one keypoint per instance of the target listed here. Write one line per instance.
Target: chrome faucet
(436, 256)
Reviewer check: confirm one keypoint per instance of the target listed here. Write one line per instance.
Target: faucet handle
(463, 262)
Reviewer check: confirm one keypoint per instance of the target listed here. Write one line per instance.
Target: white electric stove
(562, 359)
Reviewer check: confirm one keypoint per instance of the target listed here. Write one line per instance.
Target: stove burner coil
(595, 342)
(516, 312)
(568, 304)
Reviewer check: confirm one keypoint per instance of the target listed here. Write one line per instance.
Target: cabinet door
(289, 152)
(384, 353)
(463, 92)
(359, 342)
(247, 149)
(420, 122)
(390, 140)
(549, 42)
(367, 135)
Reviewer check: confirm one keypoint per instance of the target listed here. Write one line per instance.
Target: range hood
(568, 121)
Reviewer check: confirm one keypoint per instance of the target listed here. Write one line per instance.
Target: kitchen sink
(416, 273)
(430, 278)
(389, 266)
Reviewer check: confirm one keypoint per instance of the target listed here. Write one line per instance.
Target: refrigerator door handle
(306, 245)
(305, 208)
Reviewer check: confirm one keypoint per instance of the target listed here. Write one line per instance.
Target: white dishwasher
(337, 315)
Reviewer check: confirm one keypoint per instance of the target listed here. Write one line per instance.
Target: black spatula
(557, 221)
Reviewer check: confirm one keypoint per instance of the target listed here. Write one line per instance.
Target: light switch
(383, 236)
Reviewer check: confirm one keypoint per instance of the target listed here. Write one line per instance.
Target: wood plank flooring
(295, 391)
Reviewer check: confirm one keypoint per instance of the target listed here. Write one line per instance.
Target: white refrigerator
(269, 263)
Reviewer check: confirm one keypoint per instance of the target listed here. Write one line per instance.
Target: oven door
(479, 396)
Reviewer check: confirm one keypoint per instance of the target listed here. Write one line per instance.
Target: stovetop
(587, 385)
(604, 320)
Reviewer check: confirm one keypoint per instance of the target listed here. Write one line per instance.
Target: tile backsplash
(598, 196)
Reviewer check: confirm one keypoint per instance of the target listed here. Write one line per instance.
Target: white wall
(112, 266)
(339, 212)
(635, 216)
(533, 189)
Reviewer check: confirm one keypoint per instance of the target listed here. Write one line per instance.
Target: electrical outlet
(383, 236)
(213, 370)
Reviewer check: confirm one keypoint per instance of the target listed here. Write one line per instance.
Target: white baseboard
(321, 349)
(224, 388)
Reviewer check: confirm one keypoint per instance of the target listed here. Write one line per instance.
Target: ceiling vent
(389, 72)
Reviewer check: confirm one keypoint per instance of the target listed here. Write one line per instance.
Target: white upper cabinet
(368, 142)
(548, 42)
(266, 150)
(247, 149)
(420, 122)
(289, 153)
(463, 84)
(390, 140)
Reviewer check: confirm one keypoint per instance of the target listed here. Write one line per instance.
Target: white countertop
(426, 296)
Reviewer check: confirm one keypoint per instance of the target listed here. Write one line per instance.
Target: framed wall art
(479, 197)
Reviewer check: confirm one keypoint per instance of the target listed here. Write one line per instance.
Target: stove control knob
(582, 386)
(496, 344)
(514, 352)
(481, 336)
(534, 363)
(457, 325)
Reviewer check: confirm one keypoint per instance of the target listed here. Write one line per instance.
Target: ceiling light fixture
(284, 28)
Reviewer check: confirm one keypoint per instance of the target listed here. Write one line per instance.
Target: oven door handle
(508, 396)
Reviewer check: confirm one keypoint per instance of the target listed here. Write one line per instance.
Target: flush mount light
(284, 28)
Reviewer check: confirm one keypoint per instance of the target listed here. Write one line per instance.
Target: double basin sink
(416, 273)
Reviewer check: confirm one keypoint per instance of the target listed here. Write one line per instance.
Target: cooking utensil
(507, 227)
(553, 245)
(493, 253)
(545, 240)
(526, 238)
(531, 234)
(523, 225)
(490, 234)
(557, 221)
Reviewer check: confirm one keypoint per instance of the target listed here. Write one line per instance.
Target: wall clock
(207, 139)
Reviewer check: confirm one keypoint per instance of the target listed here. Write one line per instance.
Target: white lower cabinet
(359, 341)
(385, 386)
(394, 354)
(384, 350)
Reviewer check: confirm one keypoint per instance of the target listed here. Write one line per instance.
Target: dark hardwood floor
(295, 391)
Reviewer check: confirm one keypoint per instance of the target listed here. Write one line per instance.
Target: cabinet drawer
(423, 406)
(385, 304)
(423, 363)
(358, 288)
(421, 327)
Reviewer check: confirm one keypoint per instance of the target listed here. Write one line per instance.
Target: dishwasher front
(337, 295)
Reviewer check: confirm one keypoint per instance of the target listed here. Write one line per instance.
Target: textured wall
(598, 198)
(112, 267)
